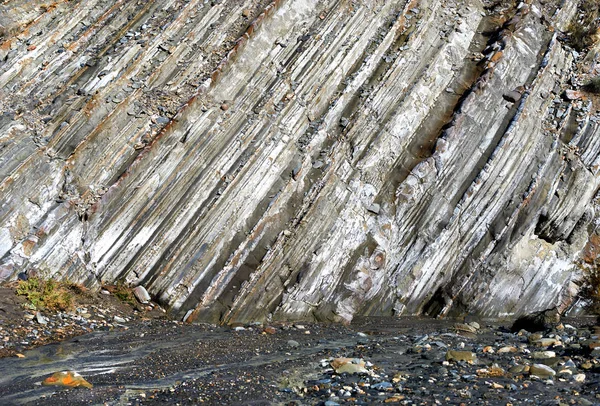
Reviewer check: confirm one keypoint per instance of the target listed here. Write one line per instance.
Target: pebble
(453, 355)
(293, 343)
(572, 94)
(475, 325)
(546, 342)
(543, 354)
(161, 120)
(383, 386)
(465, 327)
(349, 365)
(541, 370)
(517, 369)
(374, 208)
(69, 379)
(141, 294)
(40, 318)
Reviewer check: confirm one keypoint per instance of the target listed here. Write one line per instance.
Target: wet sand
(166, 362)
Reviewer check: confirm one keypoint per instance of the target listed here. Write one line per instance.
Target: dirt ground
(20, 328)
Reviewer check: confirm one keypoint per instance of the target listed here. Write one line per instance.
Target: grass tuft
(47, 294)
(124, 294)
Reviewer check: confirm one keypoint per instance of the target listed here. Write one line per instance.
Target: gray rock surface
(298, 159)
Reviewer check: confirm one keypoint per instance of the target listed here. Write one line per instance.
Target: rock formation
(299, 159)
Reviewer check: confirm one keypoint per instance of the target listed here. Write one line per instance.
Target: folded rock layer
(298, 159)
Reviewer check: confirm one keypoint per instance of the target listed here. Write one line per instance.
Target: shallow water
(150, 357)
(160, 362)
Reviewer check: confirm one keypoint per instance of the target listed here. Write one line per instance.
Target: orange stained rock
(496, 57)
(338, 362)
(68, 379)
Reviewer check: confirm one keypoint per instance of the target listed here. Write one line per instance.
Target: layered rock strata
(298, 159)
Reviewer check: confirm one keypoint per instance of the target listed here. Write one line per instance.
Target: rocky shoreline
(409, 361)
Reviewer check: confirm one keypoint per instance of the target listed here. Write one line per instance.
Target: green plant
(46, 294)
(584, 30)
(124, 294)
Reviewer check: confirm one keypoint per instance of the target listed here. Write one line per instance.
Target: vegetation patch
(583, 32)
(49, 294)
(124, 294)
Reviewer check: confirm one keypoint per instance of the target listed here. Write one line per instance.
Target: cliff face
(298, 159)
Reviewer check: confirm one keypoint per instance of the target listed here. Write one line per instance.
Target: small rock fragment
(374, 208)
(383, 386)
(494, 371)
(41, 318)
(572, 94)
(69, 379)
(517, 369)
(349, 365)
(546, 342)
(543, 354)
(465, 328)
(541, 370)
(141, 294)
(453, 355)
(475, 325)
